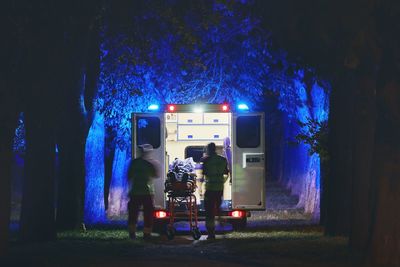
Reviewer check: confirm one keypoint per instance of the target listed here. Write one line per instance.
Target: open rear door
(248, 160)
(149, 128)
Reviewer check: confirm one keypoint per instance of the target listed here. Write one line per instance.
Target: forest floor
(281, 236)
(275, 246)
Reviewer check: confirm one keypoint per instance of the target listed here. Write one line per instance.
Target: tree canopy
(188, 52)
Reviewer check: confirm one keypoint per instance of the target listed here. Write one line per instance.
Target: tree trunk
(94, 165)
(338, 187)
(384, 249)
(71, 181)
(109, 153)
(8, 122)
(38, 213)
(9, 51)
(325, 174)
(118, 193)
(364, 130)
(82, 60)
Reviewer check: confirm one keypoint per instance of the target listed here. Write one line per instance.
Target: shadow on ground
(275, 246)
(280, 236)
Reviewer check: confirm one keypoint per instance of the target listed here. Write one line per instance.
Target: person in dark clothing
(141, 172)
(215, 170)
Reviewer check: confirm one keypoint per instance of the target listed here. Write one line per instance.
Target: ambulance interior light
(198, 110)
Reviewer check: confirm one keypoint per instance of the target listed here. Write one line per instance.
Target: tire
(160, 227)
(239, 224)
(196, 233)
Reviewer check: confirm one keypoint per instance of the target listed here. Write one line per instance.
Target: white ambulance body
(182, 131)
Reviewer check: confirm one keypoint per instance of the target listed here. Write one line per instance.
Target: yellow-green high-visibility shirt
(214, 168)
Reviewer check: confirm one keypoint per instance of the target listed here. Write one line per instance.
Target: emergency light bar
(243, 107)
(153, 107)
(170, 108)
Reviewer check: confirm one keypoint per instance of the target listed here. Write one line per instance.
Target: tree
(211, 51)
(9, 105)
(41, 45)
(212, 55)
(355, 43)
(80, 67)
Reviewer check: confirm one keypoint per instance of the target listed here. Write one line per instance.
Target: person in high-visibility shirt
(215, 170)
(141, 172)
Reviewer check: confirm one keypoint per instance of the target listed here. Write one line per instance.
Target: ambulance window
(248, 131)
(196, 152)
(148, 131)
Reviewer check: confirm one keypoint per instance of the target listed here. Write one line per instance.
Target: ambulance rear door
(149, 128)
(248, 161)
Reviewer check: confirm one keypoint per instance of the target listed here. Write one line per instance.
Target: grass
(301, 246)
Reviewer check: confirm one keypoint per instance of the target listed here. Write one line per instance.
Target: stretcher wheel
(170, 233)
(196, 233)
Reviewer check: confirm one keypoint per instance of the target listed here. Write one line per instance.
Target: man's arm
(226, 171)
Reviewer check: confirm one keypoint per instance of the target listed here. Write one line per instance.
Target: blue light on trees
(237, 69)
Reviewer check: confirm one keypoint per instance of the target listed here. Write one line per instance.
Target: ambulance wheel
(159, 227)
(170, 233)
(196, 233)
(239, 225)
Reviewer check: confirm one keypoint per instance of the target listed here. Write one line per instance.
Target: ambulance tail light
(237, 214)
(160, 214)
(171, 108)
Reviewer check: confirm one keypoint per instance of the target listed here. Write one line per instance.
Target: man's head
(211, 149)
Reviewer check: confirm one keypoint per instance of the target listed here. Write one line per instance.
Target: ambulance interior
(187, 135)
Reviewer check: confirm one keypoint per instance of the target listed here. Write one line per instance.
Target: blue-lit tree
(217, 55)
(214, 56)
(355, 44)
(208, 61)
(49, 74)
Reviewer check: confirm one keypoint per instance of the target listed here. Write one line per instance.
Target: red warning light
(160, 214)
(171, 108)
(225, 107)
(237, 213)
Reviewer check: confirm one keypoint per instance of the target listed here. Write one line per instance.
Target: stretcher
(181, 194)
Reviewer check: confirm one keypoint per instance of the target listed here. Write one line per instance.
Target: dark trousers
(134, 207)
(212, 204)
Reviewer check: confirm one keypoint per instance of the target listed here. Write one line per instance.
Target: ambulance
(182, 131)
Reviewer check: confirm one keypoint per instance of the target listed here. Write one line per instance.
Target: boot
(211, 234)
(132, 235)
(146, 236)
